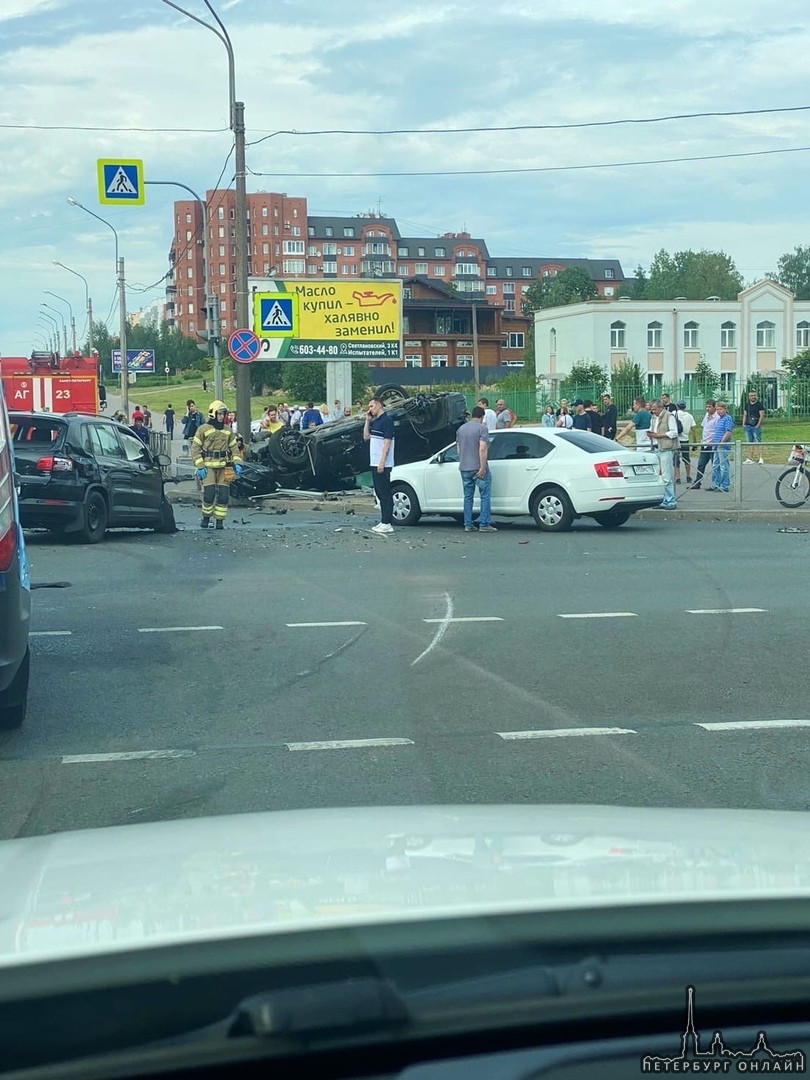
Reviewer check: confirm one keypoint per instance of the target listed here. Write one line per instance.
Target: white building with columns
(739, 338)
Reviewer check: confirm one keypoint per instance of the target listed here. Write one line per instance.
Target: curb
(795, 517)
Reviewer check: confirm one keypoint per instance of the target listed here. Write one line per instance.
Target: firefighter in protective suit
(216, 454)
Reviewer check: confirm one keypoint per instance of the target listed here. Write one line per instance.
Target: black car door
(145, 480)
(101, 440)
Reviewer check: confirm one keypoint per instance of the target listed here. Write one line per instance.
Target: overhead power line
(76, 127)
(533, 127)
(544, 168)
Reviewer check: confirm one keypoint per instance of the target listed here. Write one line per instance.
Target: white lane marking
(467, 618)
(602, 615)
(347, 744)
(50, 633)
(348, 623)
(565, 733)
(174, 629)
(724, 610)
(762, 725)
(442, 630)
(130, 755)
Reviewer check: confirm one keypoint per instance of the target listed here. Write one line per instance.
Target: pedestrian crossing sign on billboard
(275, 315)
(120, 182)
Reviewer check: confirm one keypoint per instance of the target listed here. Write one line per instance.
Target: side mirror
(163, 460)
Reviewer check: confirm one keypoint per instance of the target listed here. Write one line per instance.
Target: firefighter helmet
(215, 407)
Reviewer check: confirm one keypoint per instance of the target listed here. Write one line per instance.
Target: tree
(799, 365)
(694, 275)
(705, 378)
(793, 271)
(636, 286)
(306, 380)
(585, 379)
(570, 286)
(626, 383)
(529, 366)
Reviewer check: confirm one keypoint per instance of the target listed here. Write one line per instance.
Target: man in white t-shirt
(490, 416)
(378, 431)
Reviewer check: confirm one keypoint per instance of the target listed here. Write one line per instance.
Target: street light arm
(81, 206)
(222, 34)
(78, 275)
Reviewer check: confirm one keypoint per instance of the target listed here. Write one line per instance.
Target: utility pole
(122, 330)
(213, 311)
(242, 372)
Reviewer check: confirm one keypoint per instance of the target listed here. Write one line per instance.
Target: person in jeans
(721, 480)
(663, 432)
(378, 432)
(753, 416)
(706, 442)
(472, 440)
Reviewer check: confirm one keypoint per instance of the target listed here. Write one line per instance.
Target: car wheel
(406, 505)
(552, 510)
(95, 519)
(14, 701)
(287, 448)
(611, 519)
(391, 393)
(167, 523)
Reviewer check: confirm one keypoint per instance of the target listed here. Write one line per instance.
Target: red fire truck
(51, 383)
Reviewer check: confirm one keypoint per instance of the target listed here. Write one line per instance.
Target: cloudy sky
(356, 64)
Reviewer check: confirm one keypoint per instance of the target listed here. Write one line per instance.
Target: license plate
(644, 470)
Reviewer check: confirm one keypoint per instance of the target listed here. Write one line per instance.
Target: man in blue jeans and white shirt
(472, 440)
(378, 431)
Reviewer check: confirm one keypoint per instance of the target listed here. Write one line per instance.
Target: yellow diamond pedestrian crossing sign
(120, 181)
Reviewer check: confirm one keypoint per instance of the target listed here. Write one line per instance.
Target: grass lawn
(158, 398)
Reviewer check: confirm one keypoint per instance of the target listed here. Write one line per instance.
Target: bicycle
(793, 486)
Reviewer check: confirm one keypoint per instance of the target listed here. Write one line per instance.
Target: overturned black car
(333, 455)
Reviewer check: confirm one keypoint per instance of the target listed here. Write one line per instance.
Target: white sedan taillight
(608, 469)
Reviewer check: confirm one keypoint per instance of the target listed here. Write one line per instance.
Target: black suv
(83, 475)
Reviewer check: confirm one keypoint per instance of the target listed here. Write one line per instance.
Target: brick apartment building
(284, 241)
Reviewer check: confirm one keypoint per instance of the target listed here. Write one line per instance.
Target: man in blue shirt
(722, 448)
(378, 432)
(312, 417)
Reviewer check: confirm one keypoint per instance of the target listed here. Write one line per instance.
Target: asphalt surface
(167, 682)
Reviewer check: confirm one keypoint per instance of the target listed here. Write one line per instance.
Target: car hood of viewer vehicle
(119, 888)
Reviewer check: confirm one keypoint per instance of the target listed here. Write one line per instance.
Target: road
(301, 661)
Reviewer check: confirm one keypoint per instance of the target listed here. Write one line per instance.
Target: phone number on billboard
(301, 349)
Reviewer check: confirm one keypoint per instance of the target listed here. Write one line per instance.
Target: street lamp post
(56, 296)
(211, 302)
(122, 308)
(88, 302)
(237, 122)
(55, 325)
(64, 324)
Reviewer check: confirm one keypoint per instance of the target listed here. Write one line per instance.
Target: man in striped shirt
(722, 449)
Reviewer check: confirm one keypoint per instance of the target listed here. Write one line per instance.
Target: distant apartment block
(285, 241)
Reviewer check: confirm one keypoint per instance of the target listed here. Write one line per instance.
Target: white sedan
(554, 475)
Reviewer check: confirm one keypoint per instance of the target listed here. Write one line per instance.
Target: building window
(330, 249)
(492, 271)
(349, 251)
(508, 304)
(464, 360)
(471, 269)
(275, 230)
(222, 268)
(329, 267)
(552, 341)
(609, 273)
(654, 335)
(265, 249)
(264, 211)
(352, 269)
(492, 290)
(413, 360)
(223, 287)
(508, 272)
(403, 271)
(803, 335)
(439, 253)
(690, 335)
(509, 288)
(421, 268)
(191, 327)
(438, 359)
(438, 271)
(526, 271)
(765, 335)
(617, 335)
(310, 230)
(728, 336)
(295, 212)
(294, 266)
(190, 271)
(608, 290)
(654, 383)
(727, 382)
(312, 251)
(294, 247)
(348, 230)
(420, 251)
(312, 269)
(377, 247)
(516, 341)
(328, 231)
(222, 251)
(221, 213)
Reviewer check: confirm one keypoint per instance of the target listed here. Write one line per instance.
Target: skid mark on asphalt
(441, 631)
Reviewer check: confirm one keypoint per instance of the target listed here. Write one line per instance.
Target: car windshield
(410, 447)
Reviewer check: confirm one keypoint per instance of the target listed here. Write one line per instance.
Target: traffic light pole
(242, 372)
